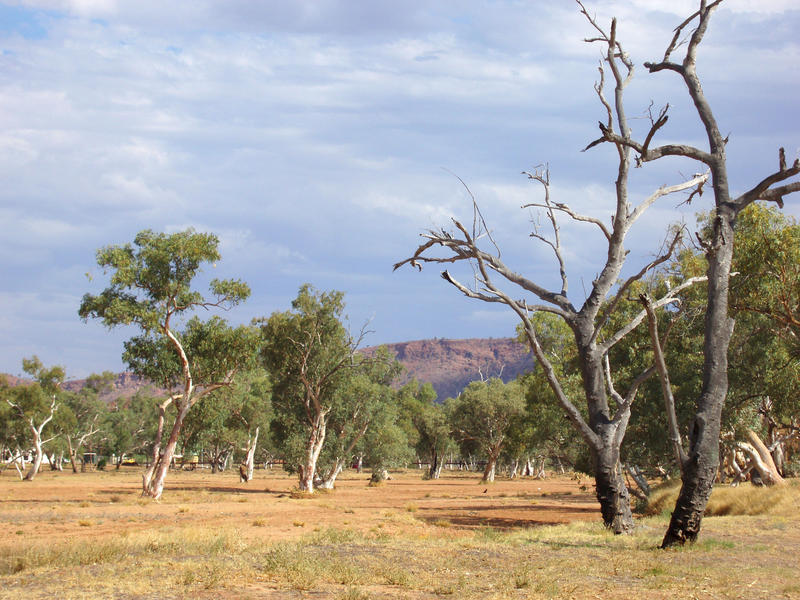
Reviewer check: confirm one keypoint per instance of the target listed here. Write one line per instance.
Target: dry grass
(389, 552)
(743, 500)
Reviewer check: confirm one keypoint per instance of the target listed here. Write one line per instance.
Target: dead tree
(699, 466)
(608, 410)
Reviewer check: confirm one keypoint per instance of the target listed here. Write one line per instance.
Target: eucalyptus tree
(151, 287)
(362, 402)
(310, 355)
(484, 414)
(83, 416)
(34, 407)
(602, 426)
(700, 463)
(426, 425)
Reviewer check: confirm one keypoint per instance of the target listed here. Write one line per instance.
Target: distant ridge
(449, 365)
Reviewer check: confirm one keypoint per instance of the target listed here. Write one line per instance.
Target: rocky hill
(447, 364)
(452, 364)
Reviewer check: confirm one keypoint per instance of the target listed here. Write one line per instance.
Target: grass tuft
(743, 500)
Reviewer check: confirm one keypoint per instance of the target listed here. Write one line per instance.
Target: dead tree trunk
(702, 457)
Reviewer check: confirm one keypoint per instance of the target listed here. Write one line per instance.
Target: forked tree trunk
(762, 459)
(147, 476)
(329, 479)
(316, 439)
(37, 458)
(541, 474)
(435, 466)
(249, 462)
(155, 487)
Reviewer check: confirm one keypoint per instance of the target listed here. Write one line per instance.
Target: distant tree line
(299, 394)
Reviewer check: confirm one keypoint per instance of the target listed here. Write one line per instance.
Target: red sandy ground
(64, 505)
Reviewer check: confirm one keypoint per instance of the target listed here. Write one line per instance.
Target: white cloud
(310, 135)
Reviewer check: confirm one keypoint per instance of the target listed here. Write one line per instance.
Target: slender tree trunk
(37, 458)
(72, 459)
(249, 462)
(316, 439)
(639, 479)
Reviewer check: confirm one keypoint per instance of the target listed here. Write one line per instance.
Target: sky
(319, 139)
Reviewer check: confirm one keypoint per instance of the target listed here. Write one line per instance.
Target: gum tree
(151, 287)
(34, 406)
(483, 414)
(310, 355)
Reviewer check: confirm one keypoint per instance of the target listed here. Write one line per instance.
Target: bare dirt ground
(71, 506)
(91, 536)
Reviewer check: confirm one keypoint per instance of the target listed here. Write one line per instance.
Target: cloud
(311, 136)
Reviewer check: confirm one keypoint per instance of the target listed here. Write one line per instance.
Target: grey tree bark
(702, 458)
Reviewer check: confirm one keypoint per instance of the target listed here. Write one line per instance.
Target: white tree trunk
(313, 449)
(251, 452)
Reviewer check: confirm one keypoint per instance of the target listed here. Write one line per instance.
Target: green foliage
(307, 351)
(212, 347)
(483, 414)
(151, 280)
(764, 362)
(425, 423)
(150, 285)
(228, 416)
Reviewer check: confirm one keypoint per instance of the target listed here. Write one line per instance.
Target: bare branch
(612, 306)
(633, 323)
(647, 155)
(762, 190)
(666, 387)
(544, 179)
(575, 216)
